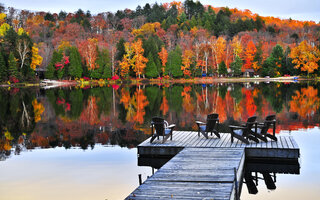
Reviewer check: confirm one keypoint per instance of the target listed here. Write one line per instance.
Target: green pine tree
(120, 49)
(75, 68)
(104, 70)
(173, 67)
(3, 68)
(51, 69)
(236, 66)
(105, 59)
(151, 68)
(222, 68)
(13, 68)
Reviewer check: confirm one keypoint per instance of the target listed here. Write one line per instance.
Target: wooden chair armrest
(237, 127)
(171, 126)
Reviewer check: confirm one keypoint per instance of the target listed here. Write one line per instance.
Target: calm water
(80, 143)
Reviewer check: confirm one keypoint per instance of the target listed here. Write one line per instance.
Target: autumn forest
(179, 40)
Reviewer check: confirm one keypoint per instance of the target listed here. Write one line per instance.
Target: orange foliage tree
(91, 112)
(249, 55)
(306, 102)
(142, 102)
(186, 62)
(140, 60)
(305, 57)
(187, 103)
(89, 52)
(218, 47)
(163, 55)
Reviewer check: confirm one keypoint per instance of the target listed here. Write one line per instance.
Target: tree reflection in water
(32, 118)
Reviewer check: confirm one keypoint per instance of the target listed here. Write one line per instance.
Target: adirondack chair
(160, 127)
(243, 132)
(211, 126)
(262, 129)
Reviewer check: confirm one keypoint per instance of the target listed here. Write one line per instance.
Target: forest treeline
(170, 40)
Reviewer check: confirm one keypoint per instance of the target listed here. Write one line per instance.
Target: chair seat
(238, 132)
(167, 131)
(202, 127)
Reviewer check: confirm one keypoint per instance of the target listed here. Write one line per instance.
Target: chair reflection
(266, 171)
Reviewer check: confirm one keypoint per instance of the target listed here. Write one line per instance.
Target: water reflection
(31, 118)
(265, 172)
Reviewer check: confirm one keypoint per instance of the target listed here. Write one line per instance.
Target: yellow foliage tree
(305, 57)
(236, 46)
(186, 62)
(38, 109)
(4, 28)
(36, 58)
(127, 60)
(2, 17)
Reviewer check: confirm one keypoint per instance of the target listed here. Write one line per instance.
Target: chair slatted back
(211, 122)
(251, 122)
(158, 124)
(270, 119)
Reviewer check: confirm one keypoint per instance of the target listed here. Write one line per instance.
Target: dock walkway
(195, 173)
(205, 168)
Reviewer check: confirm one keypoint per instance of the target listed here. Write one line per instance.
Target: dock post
(236, 184)
(140, 180)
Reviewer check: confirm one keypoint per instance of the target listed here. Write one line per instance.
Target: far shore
(47, 84)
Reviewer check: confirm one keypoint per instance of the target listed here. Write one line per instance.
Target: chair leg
(241, 138)
(216, 133)
(253, 138)
(152, 138)
(205, 134)
(272, 137)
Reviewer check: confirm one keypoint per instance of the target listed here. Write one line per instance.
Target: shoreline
(48, 84)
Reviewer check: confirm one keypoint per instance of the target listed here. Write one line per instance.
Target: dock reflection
(266, 171)
(256, 172)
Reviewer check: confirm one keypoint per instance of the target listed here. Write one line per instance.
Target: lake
(80, 143)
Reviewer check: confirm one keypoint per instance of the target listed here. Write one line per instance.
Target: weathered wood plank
(284, 142)
(294, 143)
(289, 142)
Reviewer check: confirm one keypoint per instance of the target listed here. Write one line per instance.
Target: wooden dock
(205, 168)
(285, 147)
(196, 173)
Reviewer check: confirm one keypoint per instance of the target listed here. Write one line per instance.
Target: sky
(295, 9)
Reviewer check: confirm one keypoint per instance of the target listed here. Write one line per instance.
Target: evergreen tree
(268, 67)
(173, 66)
(222, 68)
(153, 45)
(13, 68)
(51, 69)
(120, 49)
(236, 66)
(104, 70)
(3, 68)
(151, 69)
(50, 73)
(75, 68)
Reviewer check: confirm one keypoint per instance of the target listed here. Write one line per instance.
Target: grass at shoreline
(206, 80)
